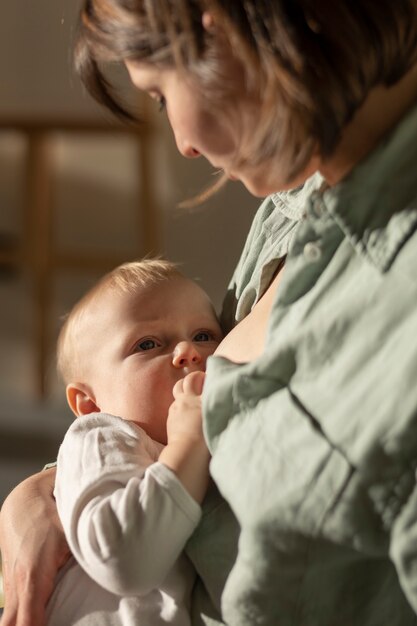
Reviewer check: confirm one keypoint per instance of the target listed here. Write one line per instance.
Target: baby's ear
(80, 399)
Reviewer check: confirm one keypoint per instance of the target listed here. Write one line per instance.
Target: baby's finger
(193, 383)
(178, 388)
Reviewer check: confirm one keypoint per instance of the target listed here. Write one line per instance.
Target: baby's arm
(127, 517)
(186, 453)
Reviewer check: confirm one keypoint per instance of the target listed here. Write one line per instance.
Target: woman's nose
(186, 354)
(189, 152)
(185, 148)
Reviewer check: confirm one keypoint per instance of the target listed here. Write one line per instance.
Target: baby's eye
(203, 335)
(147, 344)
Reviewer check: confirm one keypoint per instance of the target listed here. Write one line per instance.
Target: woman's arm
(33, 548)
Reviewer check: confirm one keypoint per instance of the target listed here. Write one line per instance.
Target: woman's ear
(80, 399)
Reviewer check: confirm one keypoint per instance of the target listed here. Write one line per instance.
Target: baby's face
(138, 346)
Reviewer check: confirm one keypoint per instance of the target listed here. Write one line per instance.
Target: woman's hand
(33, 548)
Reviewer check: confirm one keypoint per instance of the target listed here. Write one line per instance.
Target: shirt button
(318, 207)
(312, 251)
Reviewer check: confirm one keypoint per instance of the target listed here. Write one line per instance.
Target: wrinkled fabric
(314, 444)
(126, 518)
(213, 545)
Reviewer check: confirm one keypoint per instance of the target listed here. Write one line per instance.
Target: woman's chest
(245, 342)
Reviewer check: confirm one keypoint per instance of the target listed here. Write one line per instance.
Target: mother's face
(214, 132)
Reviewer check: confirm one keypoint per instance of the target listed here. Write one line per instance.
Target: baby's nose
(186, 354)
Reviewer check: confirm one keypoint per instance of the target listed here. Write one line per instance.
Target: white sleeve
(126, 517)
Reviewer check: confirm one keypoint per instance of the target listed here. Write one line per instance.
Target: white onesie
(127, 519)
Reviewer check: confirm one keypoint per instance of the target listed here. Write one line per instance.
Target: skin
(26, 591)
(136, 347)
(144, 355)
(27, 586)
(144, 360)
(201, 131)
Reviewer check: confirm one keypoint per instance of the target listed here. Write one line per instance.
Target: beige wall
(95, 207)
(36, 79)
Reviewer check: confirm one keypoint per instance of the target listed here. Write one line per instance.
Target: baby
(133, 467)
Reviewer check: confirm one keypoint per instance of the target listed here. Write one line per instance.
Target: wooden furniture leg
(39, 224)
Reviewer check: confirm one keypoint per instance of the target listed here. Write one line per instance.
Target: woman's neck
(381, 111)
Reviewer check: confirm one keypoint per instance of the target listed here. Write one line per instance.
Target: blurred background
(78, 196)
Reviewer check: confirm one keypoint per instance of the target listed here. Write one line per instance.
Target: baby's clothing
(126, 518)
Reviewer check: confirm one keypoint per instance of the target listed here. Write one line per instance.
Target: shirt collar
(292, 204)
(376, 205)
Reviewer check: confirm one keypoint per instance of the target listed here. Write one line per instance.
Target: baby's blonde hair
(126, 278)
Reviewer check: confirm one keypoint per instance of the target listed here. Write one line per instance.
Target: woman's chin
(257, 188)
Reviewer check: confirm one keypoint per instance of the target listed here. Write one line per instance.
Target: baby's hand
(186, 453)
(184, 416)
(192, 385)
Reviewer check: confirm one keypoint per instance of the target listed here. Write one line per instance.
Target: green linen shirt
(314, 443)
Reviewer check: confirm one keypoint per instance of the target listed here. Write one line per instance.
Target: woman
(310, 411)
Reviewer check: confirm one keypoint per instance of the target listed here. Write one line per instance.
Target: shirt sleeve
(126, 517)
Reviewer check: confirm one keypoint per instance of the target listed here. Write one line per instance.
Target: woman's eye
(157, 97)
(147, 344)
(161, 104)
(203, 335)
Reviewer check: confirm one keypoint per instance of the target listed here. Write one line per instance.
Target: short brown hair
(126, 278)
(311, 64)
